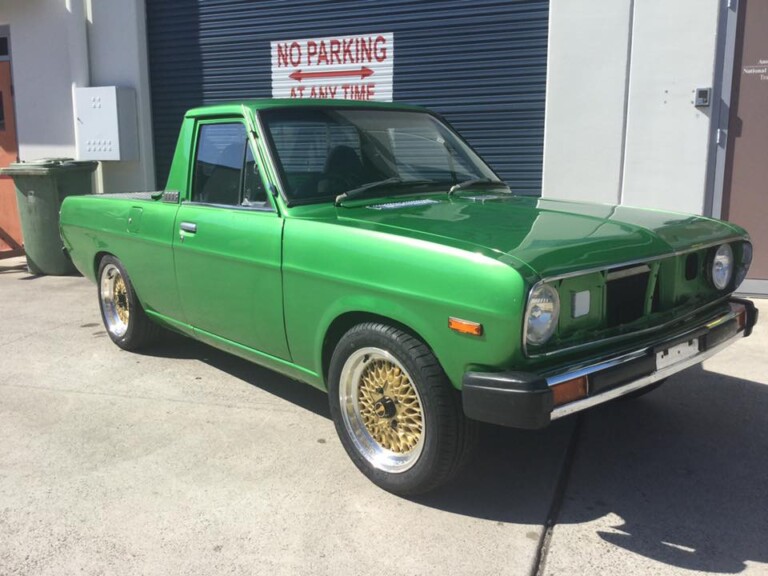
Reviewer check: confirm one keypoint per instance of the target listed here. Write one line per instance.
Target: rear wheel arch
(97, 261)
(124, 318)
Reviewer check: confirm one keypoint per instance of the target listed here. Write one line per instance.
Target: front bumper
(525, 400)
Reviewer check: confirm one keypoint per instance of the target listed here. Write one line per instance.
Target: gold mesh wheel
(121, 299)
(389, 406)
(382, 409)
(114, 300)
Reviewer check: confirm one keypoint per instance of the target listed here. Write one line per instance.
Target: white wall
(586, 81)
(673, 53)
(621, 125)
(99, 43)
(118, 57)
(41, 78)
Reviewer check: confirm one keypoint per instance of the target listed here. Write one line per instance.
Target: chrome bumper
(638, 384)
(525, 400)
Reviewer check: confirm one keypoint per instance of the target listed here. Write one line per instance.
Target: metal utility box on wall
(106, 123)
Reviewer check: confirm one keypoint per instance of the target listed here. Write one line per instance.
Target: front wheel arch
(381, 376)
(345, 322)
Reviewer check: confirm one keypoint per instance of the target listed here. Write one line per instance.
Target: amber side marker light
(741, 316)
(741, 319)
(465, 327)
(569, 390)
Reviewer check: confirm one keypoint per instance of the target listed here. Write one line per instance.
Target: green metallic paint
(330, 270)
(551, 237)
(579, 328)
(228, 274)
(268, 285)
(100, 226)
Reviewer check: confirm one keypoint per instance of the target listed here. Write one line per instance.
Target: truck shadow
(683, 469)
(511, 478)
(177, 346)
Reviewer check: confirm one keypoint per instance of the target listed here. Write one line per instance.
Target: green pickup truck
(367, 250)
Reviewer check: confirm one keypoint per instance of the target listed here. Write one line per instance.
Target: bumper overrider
(526, 400)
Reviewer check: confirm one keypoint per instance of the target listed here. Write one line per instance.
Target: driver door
(228, 244)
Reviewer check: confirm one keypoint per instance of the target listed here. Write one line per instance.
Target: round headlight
(722, 267)
(541, 314)
(746, 260)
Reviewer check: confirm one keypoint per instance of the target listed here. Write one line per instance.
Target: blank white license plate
(677, 353)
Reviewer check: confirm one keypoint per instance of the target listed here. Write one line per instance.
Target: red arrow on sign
(298, 75)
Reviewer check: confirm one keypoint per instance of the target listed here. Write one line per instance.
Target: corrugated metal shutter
(482, 64)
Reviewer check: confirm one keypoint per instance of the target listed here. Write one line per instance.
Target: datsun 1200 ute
(367, 250)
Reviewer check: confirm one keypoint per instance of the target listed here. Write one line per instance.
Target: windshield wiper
(360, 190)
(477, 182)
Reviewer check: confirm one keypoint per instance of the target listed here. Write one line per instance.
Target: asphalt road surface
(185, 460)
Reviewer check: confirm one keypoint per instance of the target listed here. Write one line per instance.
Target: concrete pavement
(185, 460)
(677, 481)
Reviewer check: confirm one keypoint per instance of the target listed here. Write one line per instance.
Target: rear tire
(397, 415)
(124, 319)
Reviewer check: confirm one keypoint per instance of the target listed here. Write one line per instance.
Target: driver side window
(254, 193)
(226, 172)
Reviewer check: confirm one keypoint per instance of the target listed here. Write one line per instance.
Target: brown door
(745, 189)
(10, 228)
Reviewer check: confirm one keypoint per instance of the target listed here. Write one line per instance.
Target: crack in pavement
(557, 500)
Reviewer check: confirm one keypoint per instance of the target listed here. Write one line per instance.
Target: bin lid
(47, 166)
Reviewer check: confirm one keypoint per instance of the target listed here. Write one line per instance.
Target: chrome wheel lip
(349, 383)
(110, 276)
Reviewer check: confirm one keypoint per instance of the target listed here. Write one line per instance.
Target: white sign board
(337, 67)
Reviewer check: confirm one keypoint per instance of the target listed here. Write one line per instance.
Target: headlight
(722, 267)
(541, 314)
(746, 261)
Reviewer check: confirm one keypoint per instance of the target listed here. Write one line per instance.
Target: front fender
(330, 271)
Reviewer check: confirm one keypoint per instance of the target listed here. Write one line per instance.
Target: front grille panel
(625, 298)
(631, 301)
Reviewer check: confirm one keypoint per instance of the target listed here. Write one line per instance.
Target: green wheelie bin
(41, 186)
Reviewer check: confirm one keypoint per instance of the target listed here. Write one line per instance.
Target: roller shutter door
(482, 64)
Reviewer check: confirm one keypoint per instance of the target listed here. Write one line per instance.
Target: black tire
(446, 438)
(643, 391)
(124, 318)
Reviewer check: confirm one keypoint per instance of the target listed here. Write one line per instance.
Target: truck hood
(550, 237)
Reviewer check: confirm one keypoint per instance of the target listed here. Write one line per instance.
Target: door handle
(188, 227)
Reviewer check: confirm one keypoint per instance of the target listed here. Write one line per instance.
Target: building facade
(637, 102)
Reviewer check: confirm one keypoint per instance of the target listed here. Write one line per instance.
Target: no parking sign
(335, 67)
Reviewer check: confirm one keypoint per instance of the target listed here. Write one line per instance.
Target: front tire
(124, 319)
(397, 415)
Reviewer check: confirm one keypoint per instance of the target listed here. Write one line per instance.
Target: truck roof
(267, 103)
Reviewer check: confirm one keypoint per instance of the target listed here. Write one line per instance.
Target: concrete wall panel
(673, 53)
(621, 124)
(118, 57)
(42, 77)
(586, 82)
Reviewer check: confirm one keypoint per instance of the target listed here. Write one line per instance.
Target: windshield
(325, 152)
